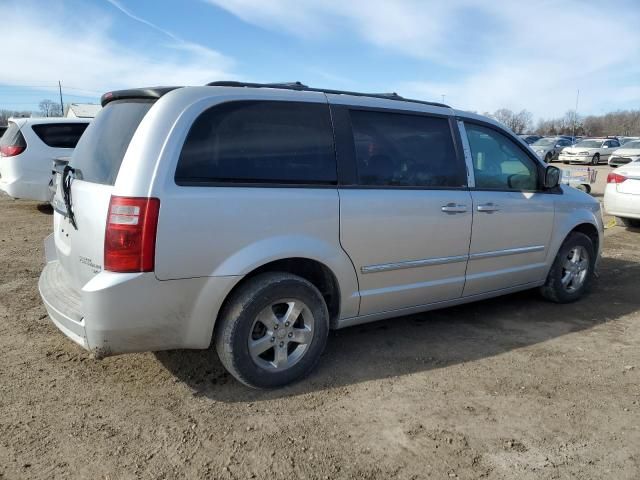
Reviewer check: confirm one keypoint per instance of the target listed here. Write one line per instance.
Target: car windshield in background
(102, 147)
(543, 142)
(633, 145)
(589, 144)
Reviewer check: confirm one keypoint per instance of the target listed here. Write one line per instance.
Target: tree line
(621, 122)
(46, 108)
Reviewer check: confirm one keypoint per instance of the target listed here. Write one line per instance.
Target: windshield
(101, 149)
(589, 144)
(543, 142)
(634, 145)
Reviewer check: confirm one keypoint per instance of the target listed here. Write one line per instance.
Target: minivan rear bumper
(62, 303)
(133, 312)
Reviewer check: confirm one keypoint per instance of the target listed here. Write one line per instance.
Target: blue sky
(481, 55)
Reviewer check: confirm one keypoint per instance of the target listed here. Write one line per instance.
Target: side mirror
(551, 177)
(605, 146)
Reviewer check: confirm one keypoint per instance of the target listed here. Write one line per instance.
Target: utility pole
(61, 104)
(575, 114)
(443, 95)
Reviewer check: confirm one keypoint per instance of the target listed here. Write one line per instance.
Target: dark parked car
(530, 138)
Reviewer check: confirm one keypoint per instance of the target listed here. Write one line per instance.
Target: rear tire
(571, 274)
(272, 330)
(595, 160)
(628, 222)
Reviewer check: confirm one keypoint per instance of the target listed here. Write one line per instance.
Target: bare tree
(518, 122)
(49, 108)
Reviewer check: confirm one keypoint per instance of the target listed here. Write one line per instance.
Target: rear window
(13, 137)
(259, 142)
(60, 135)
(100, 151)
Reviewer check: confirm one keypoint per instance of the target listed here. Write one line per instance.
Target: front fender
(572, 209)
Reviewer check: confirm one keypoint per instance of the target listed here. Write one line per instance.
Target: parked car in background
(629, 152)
(261, 216)
(27, 150)
(548, 148)
(590, 151)
(529, 139)
(622, 194)
(624, 140)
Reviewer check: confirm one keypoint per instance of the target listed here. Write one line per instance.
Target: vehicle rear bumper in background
(133, 312)
(26, 190)
(623, 205)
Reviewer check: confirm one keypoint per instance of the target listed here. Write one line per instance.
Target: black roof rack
(299, 86)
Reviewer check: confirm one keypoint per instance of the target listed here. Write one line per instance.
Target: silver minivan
(259, 216)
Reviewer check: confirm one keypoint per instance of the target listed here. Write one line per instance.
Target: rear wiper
(67, 177)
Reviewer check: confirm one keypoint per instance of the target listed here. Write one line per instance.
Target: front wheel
(595, 160)
(572, 270)
(272, 330)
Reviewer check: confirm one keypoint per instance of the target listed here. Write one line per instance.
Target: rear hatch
(96, 160)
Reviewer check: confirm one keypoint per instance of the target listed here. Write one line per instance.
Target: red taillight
(614, 177)
(130, 237)
(11, 150)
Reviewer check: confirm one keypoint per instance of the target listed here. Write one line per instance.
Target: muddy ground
(513, 387)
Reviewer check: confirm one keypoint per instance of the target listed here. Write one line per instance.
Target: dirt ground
(507, 388)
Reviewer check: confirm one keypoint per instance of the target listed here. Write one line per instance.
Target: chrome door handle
(488, 208)
(453, 208)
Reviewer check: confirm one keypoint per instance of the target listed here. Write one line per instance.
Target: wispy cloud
(496, 54)
(88, 55)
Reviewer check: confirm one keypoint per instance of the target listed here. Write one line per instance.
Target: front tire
(272, 330)
(595, 160)
(572, 271)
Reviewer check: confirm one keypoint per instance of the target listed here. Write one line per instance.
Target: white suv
(261, 216)
(27, 150)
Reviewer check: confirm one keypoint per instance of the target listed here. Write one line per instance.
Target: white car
(27, 150)
(622, 194)
(589, 151)
(630, 152)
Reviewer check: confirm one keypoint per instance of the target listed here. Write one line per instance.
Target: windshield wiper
(67, 178)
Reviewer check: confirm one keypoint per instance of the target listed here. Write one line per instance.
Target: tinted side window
(260, 142)
(60, 135)
(564, 143)
(405, 150)
(499, 163)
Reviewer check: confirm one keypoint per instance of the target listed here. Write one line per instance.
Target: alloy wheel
(281, 334)
(575, 269)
